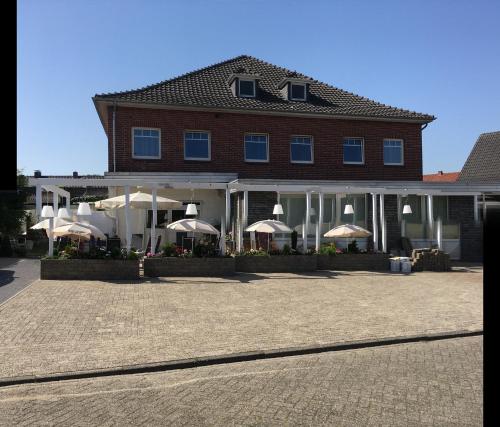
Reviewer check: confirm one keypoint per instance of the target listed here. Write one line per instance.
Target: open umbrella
(193, 225)
(72, 230)
(269, 226)
(348, 230)
(45, 224)
(94, 231)
(138, 200)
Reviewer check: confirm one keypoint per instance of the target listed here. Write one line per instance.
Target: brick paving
(418, 384)
(69, 326)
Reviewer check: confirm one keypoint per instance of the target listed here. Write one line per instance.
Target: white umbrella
(45, 223)
(348, 230)
(72, 230)
(269, 226)
(193, 225)
(94, 231)
(138, 200)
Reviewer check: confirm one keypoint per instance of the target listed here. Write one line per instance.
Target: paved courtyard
(57, 326)
(425, 383)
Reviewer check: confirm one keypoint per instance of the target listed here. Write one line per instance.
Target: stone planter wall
(276, 263)
(351, 262)
(174, 266)
(89, 269)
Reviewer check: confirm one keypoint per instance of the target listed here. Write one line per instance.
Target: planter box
(173, 266)
(276, 263)
(351, 262)
(89, 269)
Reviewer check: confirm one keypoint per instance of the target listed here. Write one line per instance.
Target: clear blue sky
(437, 57)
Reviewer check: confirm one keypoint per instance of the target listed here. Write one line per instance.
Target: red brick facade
(227, 145)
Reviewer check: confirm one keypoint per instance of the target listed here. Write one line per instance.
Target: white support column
(476, 209)
(51, 236)
(128, 232)
(223, 235)
(239, 228)
(382, 224)
(38, 200)
(400, 216)
(228, 207)
(245, 209)
(68, 203)
(374, 222)
(320, 221)
(307, 221)
(55, 202)
(153, 223)
(439, 231)
(430, 217)
(338, 208)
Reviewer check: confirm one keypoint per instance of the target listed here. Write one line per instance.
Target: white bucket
(395, 264)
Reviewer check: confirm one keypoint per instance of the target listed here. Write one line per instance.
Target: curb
(232, 358)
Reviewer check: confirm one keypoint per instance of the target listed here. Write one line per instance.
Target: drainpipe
(114, 139)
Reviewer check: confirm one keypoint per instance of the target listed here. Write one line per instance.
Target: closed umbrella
(269, 226)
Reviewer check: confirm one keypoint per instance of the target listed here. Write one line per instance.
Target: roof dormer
(243, 83)
(294, 88)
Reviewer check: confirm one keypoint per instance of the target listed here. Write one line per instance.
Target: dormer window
(297, 92)
(246, 88)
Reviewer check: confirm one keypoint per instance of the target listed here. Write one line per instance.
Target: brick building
(239, 136)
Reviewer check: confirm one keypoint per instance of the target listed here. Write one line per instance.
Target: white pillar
(484, 208)
(239, 225)
(38, 200)
(374, 222)
(306, 223)
(253, 243)
(245, 209)
(68, 203)
(51, 237)
(55, 202)
(222, 235)
(228, 207)
(439, 231)
(320, 221)
(153, 222)
(338, 208)
(476, 209)
(382, 224)
(128, 232)
(430, 217)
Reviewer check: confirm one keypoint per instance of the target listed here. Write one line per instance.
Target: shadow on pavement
(6, 277)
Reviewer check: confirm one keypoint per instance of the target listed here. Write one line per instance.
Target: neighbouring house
(441, 177)
(240, 136)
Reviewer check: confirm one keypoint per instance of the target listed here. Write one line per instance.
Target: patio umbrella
(72, 230)
(193, 225)
(58, 222)
(138, 200)
(94, 231)
(269, 226)
(348, 230)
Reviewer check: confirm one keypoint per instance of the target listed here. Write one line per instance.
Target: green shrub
(169, 249)
(287, 250)
(328, 249)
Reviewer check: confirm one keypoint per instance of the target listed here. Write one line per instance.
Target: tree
(12, 212)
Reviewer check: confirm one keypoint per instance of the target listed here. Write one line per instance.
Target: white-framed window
(256, 147)
(301, 149)
(393, 152)
(197, 145)
(297, 92)
(354, 153)
(146, 143)
(246, 88)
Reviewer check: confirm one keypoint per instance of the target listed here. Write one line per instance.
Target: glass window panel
(146, 143)
(353, 151)
(298, 91)
(393, 152)
(440, 207)
(247, 88)
(256, 147)
(301, 149)
(196, 145)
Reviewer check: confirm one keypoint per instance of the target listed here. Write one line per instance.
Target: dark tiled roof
(441, 177)
(483, 163)
(208, 88)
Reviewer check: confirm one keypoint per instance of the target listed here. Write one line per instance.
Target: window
(256, 148)
(247, 88)
(353, 151)
(146, 143)
(393, 152)
(301, 149)
(297, 92)
(196, 145)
